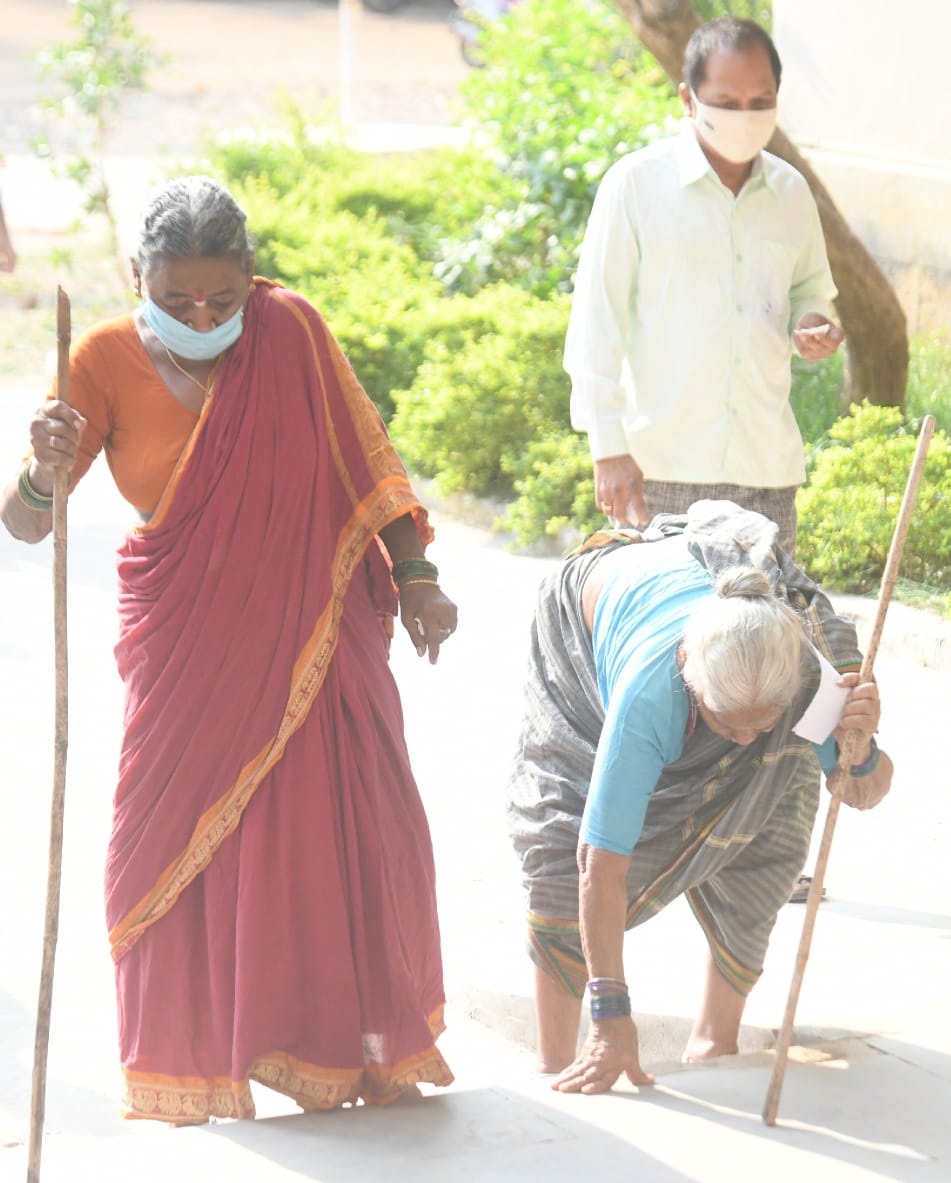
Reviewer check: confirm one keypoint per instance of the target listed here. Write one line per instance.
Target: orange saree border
(186, 1100)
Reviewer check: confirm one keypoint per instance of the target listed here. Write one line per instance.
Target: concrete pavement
(866, 1098)
(498, 1123)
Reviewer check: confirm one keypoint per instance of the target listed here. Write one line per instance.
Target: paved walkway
(867, 1096)
(866, 1099)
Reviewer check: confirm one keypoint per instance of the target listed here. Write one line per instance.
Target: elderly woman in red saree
(270, 890)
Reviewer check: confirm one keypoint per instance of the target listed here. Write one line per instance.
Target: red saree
(270, 890)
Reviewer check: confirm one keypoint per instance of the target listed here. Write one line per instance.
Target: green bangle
(407, 570)
(420, 579)
(29, 496)
(868, 766)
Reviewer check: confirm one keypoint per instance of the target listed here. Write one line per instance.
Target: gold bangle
(418, 579)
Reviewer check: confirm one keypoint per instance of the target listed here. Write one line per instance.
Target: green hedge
(491, 384)
(443, 275)
(848, 511)
(330, 238)
(566, 91)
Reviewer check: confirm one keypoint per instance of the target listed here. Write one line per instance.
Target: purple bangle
(616, 1007)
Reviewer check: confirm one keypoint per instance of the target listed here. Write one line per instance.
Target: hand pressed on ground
(610, 1049)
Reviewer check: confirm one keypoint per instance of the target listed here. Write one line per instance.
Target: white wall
(866, 95)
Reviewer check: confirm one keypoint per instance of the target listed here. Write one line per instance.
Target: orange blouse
(131, 414)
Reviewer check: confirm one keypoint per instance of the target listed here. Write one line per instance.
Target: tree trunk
(871, 315)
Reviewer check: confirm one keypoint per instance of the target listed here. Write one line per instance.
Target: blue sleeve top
(637, 628)
(638, 625)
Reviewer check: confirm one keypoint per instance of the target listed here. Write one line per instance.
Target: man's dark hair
(726, 34)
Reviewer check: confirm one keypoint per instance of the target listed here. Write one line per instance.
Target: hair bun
(743, 581)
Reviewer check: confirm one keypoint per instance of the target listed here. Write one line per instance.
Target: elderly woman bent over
(659, 756)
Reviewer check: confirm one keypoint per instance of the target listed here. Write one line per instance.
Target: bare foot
(546, 1068)
(707, 1049)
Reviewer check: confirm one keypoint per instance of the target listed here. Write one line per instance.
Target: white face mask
(735, 135)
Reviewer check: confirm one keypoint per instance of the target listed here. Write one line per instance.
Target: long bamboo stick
(54, 872)
(840, 779)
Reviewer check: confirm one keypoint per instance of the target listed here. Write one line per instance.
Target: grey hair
(193, 217)
(743, 647)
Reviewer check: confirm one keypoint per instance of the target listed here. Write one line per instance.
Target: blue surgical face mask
(189, 343)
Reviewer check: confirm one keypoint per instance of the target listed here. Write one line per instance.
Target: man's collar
(692, 164)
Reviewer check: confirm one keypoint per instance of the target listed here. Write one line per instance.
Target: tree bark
(873, 320)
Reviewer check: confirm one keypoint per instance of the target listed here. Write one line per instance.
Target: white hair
(743, 647)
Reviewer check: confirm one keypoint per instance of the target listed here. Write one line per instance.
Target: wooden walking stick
(54, 873)
(840, 778)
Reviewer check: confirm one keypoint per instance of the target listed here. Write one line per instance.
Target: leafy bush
(754, 10)
(817, 388)
(357, 235)
(371, 289)
(929, 379)
(566, 91)
(491, 384)
(474, 380)
(848, 510)
(816, 397)
(554, 483)
(419, 198)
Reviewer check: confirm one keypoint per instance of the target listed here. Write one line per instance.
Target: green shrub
(929, 379)
(357, 235)
(816, 397)
(480, 397)
(754, 10)
(554, 486)
(371, 288)
(491, 383)
(566, 91)
(285, 161)
(848, 511)
(817, 389)
(419, 198)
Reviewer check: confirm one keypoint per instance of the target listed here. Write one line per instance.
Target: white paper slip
(822, 715)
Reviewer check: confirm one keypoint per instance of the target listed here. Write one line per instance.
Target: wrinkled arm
(55, 432)
(427, 614)
(22, 521)
(602, 903)
(611, 1046)
(862, 714)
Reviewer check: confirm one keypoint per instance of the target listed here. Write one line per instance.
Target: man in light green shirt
(703, 265)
